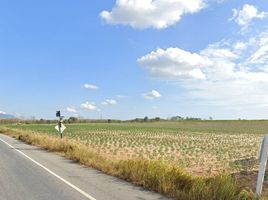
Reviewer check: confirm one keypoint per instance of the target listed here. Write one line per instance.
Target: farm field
(199, 147)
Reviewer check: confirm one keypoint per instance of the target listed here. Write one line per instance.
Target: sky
(123, 59)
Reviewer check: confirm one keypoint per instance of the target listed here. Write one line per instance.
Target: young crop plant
(199, 148)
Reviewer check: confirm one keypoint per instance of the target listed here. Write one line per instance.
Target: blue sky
(162, 58)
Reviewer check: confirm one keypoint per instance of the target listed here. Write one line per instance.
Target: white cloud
(71, 110)
(260, 56)
(236, 76)
(152, 95)
(175, 63)
(244, 16)
(89, 106)
(90, 86)
(109, 102)
(220, 53)
(239, 46)
(2, 112)
(157, 14)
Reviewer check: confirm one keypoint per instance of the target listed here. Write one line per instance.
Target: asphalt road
(30, 173)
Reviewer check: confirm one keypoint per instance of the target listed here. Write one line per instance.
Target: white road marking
(52, 173)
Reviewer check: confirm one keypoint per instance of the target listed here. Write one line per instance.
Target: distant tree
(176, 118)
(210, 118)
(146, 119)
(72, 120)
(193, 119)
(157, 119)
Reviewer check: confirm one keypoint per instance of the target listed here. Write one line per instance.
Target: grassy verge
(155, 175)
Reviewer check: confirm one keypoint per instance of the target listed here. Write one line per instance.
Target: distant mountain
(6, 116)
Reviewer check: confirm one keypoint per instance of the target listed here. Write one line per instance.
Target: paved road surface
(29, 173)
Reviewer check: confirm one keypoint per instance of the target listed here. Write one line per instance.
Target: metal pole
(263, 162)
(60, 127)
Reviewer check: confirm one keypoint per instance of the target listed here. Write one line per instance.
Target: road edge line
(51, 172)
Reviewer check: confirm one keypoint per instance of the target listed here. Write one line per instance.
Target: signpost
(263, 162)
(60, 127)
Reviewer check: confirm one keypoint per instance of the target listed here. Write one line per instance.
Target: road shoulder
(93, 182)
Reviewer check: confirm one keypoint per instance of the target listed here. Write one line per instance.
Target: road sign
(263, 162)
(58, 114)
(60, 128)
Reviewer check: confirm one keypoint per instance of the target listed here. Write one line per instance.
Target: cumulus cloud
(89, 106)
(109, 102)
(175, 63)
(71, 110)
(236, 73)
(248, 13)
(157, 14)
(90, 86)
(233, 80)
(152, 95)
